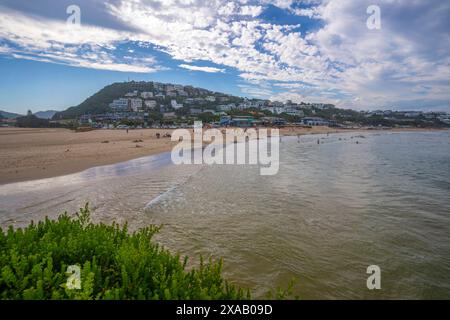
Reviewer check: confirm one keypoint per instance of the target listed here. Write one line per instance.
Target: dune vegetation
(112, 262)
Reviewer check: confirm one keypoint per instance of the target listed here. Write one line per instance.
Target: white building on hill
(146, 95)
(150, 104)
(176, 105)
(136, 104)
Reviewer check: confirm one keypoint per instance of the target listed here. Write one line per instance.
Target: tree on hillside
(31, 121)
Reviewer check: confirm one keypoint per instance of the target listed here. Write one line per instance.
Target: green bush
(114, 264)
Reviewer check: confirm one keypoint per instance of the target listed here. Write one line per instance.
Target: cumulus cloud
(47, 40)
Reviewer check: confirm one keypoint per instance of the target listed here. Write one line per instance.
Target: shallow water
(333, 209)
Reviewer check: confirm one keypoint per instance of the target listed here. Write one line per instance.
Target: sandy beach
(28, 154)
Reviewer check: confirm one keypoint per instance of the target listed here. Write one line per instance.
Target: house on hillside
(121, 104)
(150, 104)
(136, 104)
(146, 95)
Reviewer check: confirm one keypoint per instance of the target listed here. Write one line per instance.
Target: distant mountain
(9, 115)
(99, 102)
(45, 114)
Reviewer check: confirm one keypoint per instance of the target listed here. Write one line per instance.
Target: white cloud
(54, 41)
(203, 69)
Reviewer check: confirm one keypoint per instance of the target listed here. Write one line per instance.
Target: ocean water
(332, 210)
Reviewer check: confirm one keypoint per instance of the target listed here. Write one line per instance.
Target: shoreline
(33, 154)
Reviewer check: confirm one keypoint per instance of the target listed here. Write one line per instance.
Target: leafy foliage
(114, 264)
(31, 121)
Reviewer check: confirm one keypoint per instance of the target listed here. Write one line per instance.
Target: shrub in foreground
(114, 264)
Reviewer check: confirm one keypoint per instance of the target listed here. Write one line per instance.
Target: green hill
(99, 102)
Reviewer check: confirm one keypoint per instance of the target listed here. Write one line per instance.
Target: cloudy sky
(306, 50)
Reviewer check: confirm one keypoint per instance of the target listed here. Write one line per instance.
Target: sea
(338, 204)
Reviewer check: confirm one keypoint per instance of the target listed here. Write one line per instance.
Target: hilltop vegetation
(98, 103)
(114, 264)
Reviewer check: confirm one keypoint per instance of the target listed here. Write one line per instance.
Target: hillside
(9, 115)
(99, 102)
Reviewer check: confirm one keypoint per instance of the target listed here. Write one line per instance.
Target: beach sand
(28, 154)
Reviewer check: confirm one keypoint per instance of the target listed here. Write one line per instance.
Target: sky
(345, 52)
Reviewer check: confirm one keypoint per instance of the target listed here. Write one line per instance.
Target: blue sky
(309, 50)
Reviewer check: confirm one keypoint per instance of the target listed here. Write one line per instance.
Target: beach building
(239, 121)
(225, 121)
(273, 121)
(315, 121)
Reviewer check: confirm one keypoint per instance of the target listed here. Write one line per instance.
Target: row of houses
(287, 109)
(248, 121)
(138, 104)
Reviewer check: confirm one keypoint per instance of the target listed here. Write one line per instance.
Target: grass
(113, 264)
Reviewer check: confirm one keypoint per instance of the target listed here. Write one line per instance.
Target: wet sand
(29, 154)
